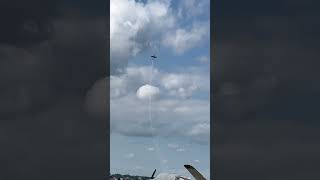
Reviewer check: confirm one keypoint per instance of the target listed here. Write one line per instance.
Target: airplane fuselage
(165, 176)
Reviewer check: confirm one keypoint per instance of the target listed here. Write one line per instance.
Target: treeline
(129, 177)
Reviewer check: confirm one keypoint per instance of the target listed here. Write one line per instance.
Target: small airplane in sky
(153, 56)
(166, 176)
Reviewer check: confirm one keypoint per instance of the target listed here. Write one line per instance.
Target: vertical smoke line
(154, 138)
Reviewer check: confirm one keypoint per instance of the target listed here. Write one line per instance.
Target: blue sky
(178, 32)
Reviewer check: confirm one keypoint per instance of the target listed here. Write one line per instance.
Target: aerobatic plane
(153, 56)
(166, 176)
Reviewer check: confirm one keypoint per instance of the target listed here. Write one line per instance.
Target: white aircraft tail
(196, 174)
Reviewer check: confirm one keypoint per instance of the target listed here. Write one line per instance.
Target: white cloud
(129, 155)
(203, 59)
(192, 8)
(181, 150)
(201, 132)
(183, 39)
(130, 117)
(118, 86)
(181, 85)
(182, 109)
(137, 26)
(130, 80)
(174, 146)
(171, 114)
(147, 91)
(196, 160)
(138, 167)
(150, 149)
(134, 26)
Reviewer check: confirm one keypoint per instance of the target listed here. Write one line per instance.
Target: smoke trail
(154, 138)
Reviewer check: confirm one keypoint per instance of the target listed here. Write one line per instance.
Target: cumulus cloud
(183, 39)
(183, 84)
(118, 86)
(137, 26)
(147, 91)
(181, 150)
(191, 8)
(131, 79)
(138, 167)
(134, 26)
(130, 117)
(171, 114)
(129, 155)
(203, 59)
(201, 132)
(173, 146)
(150, 149)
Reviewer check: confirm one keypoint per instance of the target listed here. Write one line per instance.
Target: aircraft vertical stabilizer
(196, 174)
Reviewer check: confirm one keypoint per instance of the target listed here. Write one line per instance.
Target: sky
(54, 105)
(178, 33)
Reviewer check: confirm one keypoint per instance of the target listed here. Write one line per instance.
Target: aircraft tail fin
(152, 177)
(196, 174)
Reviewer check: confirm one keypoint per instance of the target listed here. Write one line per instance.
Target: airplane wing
(196, 174)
